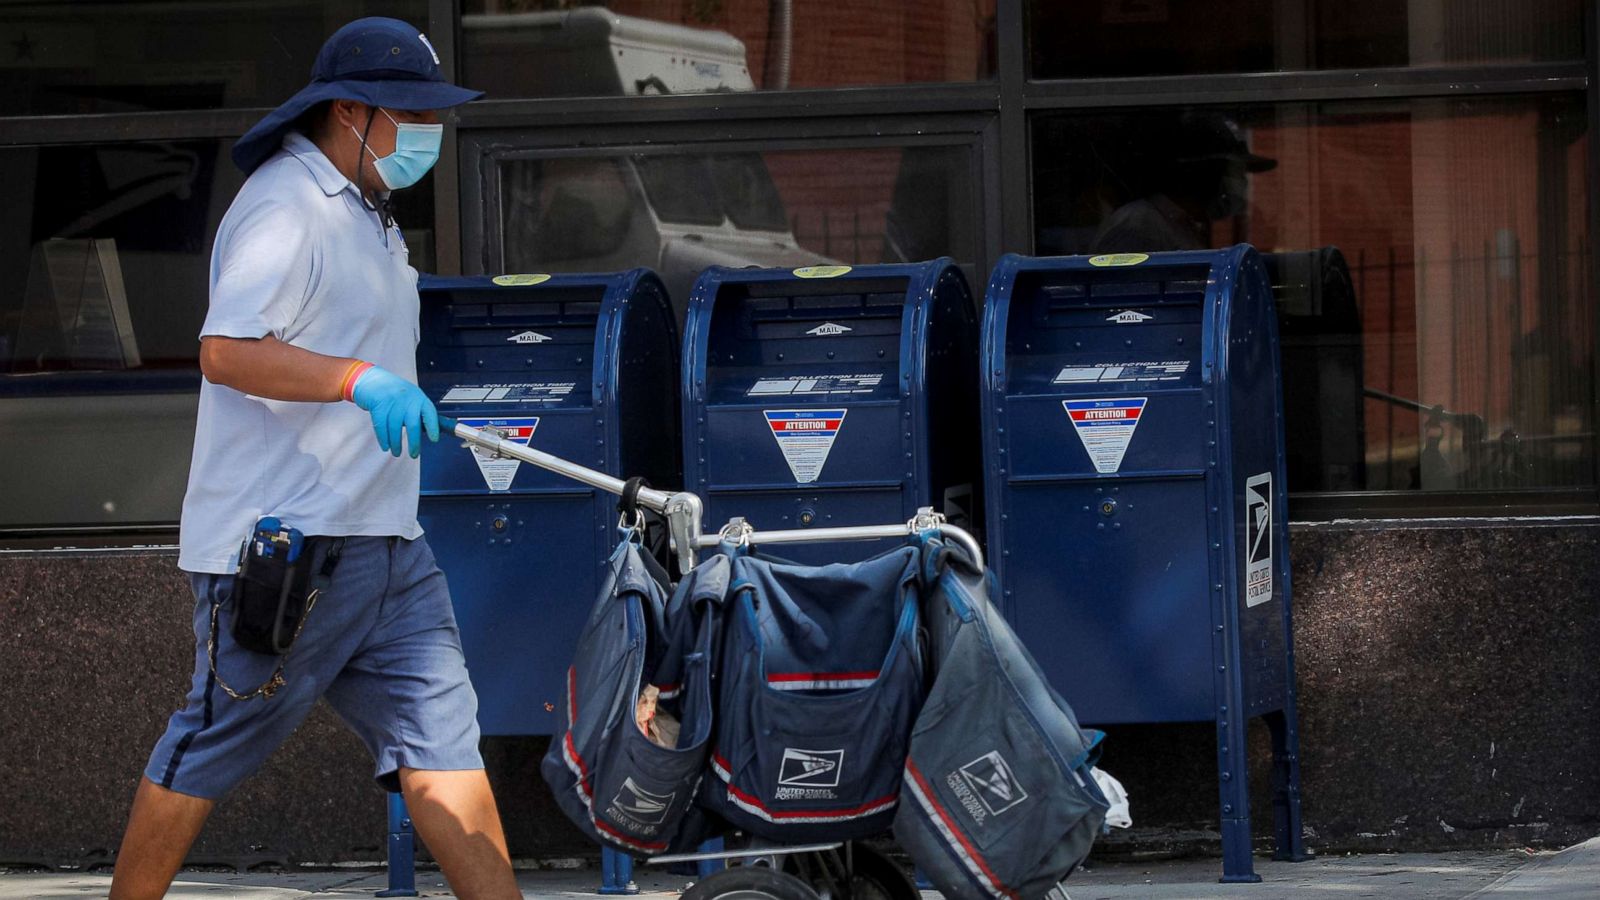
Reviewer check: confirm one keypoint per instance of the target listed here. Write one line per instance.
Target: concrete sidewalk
(1484, 875)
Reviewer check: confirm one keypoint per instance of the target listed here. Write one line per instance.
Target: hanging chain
(269, 687)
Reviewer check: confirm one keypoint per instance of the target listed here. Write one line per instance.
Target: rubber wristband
(347, 385)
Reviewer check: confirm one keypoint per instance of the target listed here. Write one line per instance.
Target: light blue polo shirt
(300, 257)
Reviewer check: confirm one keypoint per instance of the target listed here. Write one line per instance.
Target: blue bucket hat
(378, 61)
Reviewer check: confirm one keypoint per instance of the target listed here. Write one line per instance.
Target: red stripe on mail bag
(624, 839)
(947, 828)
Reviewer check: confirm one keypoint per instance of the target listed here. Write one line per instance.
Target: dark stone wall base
(1448, 687)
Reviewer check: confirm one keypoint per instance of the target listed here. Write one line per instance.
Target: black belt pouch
(270, 596)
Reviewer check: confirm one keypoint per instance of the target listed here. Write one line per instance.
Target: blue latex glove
(397, 406)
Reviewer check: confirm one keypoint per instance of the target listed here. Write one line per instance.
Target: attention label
(1258, 539)
(498, 471)
(1105, 427)
(815, 384)
(805, 436)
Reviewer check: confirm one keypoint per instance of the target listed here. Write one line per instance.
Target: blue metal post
(616, 873)
(1290, 842)
(705, 868)
(402, 851)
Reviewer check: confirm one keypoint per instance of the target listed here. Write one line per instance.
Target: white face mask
(416, 149)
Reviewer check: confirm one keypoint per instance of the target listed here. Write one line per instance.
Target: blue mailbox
(831, 395)
(581, 366)
(1133, 434)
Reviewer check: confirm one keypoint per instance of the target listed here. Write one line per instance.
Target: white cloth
(300, 257)
(1118, 816)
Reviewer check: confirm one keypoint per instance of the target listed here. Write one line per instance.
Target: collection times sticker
(528, 392)
(1105, 426)
(805, 436)
(498, 471)
(1258, 539)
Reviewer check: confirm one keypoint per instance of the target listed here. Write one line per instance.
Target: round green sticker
(820, 271)
(520, 280)
(1118, 259)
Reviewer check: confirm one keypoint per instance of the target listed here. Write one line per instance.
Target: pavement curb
(1571, 874)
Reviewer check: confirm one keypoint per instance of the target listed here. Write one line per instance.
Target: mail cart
(1134, 472)
(583, 366)
(831, 396)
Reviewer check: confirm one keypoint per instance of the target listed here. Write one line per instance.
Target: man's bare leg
(161, 828)
(455, 815)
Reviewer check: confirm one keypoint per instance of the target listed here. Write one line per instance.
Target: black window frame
(208, 124)
(996, 115)
(1023, 98)
(483, 150)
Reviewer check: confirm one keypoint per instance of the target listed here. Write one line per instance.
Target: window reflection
(104, 268)
(680, 212)
(1120, 38)
(549, 48)
(1430, 260)
(62, 58)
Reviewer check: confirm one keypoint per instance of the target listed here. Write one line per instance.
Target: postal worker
(308, 351)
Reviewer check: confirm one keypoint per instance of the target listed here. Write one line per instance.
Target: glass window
(1430, 259)
(679, 213)
(747, 193)
(104, 266)
(1121, 38)
(552, 48)
(680, 189)
(64, 58)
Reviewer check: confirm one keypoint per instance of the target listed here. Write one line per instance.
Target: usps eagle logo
(651, 809)
(811, 768)
(990, 777)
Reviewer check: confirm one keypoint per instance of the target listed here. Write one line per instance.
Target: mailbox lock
(807, 517)
(1108, 507)
(500, 523)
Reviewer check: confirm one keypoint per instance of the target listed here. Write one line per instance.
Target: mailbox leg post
(1290, 842)
(616, 873)
(1233, 771)
(1237, 863)
(402, 851)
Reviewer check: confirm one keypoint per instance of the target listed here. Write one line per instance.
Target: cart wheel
(873, 877)
(750, 883)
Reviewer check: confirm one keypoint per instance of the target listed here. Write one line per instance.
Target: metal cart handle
(684, 510)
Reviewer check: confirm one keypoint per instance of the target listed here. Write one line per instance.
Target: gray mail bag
(620, 786)
(997, 799)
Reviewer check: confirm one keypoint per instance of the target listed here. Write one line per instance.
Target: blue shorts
(381, 645)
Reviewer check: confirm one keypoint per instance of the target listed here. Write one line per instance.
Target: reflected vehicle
(677, 213)
(593, 52)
